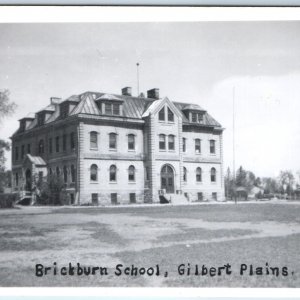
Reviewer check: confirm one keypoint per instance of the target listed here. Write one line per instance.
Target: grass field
(211, 235)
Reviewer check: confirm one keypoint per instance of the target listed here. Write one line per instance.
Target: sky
(199, 62)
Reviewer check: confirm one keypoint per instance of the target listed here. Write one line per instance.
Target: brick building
(121, 149)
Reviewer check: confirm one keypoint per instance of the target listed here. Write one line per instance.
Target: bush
(7, 200)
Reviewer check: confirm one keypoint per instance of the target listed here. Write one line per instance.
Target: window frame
(113, 173)
(212, 146)
(184, 178)
(57, 144)
(198, 151)
(170, 113)
(162, 142)
(41, 147)
(93, 173)
(132, 142)
(131, 173)
(162, 115)
(213, 175)
(171, 142)
(110, 136)
(184, 144)
(198, 174)
(94, 140)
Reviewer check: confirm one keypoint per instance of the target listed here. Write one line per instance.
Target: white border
(42, 14)
(88, 14)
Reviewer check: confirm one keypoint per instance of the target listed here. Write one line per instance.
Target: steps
(177, 199)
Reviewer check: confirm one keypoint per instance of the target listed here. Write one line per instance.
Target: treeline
(286, 184)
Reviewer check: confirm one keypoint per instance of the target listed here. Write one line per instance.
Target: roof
(36, 160)
(133, 107)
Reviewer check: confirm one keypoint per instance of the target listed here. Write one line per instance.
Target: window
(95, 198)
(23, 151)
(57, 143)
(183, 144)
(197, 145)
(114, 198)
(170, 115)
(65, 171)
(57, 171)
(41, 146)
(132, 198)
(17, 179)
(40, 119)
(147, 173)
(194, 117)
(108, 110)
(198, 174)
(94, 172)
(131, 173)
(213, 175)
(212, 146)
(50, 171)
(64, 142)
(214, 196)
(16, 153)
(184, 174)
(93, 140)
(162, 142)
(161, 114)
(171, 142)
(200, 196)
(200, 118)
(50, 145)
(112, 173)
(72, 140)
(131, 142)
(28, 148)
(112, 141)
(116, 109)
(73, 173)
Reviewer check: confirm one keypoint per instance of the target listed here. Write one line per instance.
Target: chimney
(55, 100)
(126, 91)
(153, 93)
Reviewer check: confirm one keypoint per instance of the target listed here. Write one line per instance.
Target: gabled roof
(86, 106)
(109, 97)
(192, 107)
(50, 107)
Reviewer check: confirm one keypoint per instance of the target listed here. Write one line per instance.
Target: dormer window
(41, 118)
(170, 115)
(197, 117)
(112, 109)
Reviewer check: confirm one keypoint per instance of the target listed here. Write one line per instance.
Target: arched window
(197, 145)
(131, 142)
(112, 141)
(65, 171)
(162, 142)
(72, 173)
(112, 173)
(131, 173)
(57, 171)
(93, 140)
(213, 175)
(41, 146)
(184, 174)
(94, 172)
(161, 114)
(171, 142)
(198, 174)
(170, 115)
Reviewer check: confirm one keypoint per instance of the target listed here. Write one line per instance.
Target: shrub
(7, 200)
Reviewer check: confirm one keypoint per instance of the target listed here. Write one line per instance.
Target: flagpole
(233, 143)
(138, 79)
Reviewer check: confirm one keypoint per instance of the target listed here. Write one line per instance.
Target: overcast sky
(188, 62)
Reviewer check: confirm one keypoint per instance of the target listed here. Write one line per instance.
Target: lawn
(212, 235)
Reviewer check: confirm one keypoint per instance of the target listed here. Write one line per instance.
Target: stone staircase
(177, 199)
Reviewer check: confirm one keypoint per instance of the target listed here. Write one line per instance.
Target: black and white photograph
(150, 154)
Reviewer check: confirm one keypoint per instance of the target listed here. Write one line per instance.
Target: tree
(7, 108)
(270, 185)
(286, 180)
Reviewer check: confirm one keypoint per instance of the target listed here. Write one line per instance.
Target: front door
(167, 179)
(28, 185)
